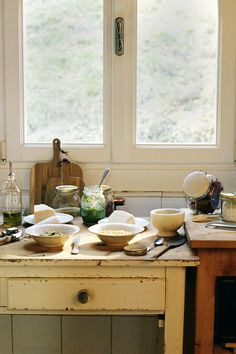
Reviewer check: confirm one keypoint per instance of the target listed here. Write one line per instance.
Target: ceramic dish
(62, 218)
(116, 239)
(167, 221)
(138, 221)
(37, 232)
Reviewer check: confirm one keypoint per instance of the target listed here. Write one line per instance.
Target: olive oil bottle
(11, 200)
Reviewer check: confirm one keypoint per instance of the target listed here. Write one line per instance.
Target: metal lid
(105, 188)
(196, 184)
(66, 188)
(228, 196)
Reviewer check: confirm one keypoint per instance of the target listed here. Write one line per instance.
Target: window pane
(177, 71)
(63, 70)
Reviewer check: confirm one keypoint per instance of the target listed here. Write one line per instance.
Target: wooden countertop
(199, 236)
(93, 251)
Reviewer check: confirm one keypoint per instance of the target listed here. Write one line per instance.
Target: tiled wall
(141, 206)
(136, 204)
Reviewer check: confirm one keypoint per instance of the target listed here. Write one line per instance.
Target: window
(167, 99)
(63, 71)
(177, 46)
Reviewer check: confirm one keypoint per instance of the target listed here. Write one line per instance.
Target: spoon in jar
(140, 249)
(105, 173)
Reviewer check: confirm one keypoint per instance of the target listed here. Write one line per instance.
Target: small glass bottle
(107, 192)
(11, 200)
(92, 206)
(67, 200)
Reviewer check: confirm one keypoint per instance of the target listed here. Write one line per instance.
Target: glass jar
(11, 201)
(202, 192)
(92, 206)
(67, 200)
(228, 206)
(107, 192)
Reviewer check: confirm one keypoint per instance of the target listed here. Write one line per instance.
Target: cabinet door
(86, 334)
(35, 334)
(5, 334)
(136, 335)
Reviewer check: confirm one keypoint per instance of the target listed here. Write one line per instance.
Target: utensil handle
(5, 239)
(163, 249)
(105, 173)
(75, 249)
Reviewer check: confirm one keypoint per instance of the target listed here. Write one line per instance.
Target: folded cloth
(120, 216)
(50, 220)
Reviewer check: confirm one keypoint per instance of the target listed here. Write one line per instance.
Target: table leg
(205, 303)
(174, 310)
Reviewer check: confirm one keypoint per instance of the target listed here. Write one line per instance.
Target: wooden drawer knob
(84, 296)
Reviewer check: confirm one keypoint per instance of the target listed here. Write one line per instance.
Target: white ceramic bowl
(167, 221)
(67, 231)
(116, 240)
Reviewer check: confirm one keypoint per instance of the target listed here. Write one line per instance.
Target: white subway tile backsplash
(141, 206)
(174, 203)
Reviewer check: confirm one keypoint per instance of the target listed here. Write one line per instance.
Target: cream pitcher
(11, 200)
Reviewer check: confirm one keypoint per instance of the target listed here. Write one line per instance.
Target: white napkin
(50, 220)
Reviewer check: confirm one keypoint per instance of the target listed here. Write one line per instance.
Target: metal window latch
(119, 36)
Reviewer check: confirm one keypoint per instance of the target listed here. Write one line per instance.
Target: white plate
(63, 218)
(138, 221)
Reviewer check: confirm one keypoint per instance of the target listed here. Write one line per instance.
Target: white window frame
(222, 152)
(16, 149)
(119, 133)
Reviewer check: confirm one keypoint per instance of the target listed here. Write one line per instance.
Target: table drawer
(86, 294)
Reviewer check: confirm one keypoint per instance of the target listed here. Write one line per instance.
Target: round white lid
(196, 184)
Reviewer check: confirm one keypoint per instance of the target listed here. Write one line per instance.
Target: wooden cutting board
(42, 172)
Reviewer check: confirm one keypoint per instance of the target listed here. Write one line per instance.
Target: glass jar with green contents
(92, 205)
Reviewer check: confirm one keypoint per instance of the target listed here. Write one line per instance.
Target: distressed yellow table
(96, 281)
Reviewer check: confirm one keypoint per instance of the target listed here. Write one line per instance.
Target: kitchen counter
(96, 281)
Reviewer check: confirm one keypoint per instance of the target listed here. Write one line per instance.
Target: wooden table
(217, 252)
(96, 281)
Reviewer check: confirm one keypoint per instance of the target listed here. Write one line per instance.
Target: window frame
(222, 152)
(17, 150)
(119, 85)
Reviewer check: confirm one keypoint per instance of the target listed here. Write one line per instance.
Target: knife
(222, 225)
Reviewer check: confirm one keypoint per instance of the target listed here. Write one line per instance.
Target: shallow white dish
(138, 221)
(116, 240)
(62, 218)
(36, 231)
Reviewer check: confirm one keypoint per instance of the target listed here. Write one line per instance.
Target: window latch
(119, 36)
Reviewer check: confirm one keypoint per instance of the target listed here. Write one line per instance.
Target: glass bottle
(107, 192)
(92, 206)
(11, 200)
(67, 200)
(228, 206)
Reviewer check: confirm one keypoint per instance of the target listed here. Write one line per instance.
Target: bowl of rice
(116, 234)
